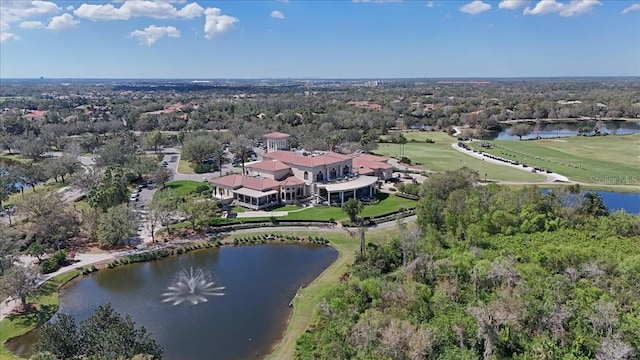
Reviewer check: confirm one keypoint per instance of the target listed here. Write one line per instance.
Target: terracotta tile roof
(230, 181)
(364, 171)
(269, 165)
(35, 114)
(360, 162)
(374, 157)
(236, 181)
(276, 135)
(292, 158)
(291, 180)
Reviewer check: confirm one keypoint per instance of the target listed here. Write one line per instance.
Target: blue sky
(318, 39)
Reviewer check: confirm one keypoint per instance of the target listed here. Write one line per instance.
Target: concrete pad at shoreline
(252, 214)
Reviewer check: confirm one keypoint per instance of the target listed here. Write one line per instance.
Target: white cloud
(475, 7)
(573, 8)
(430, 4)
(31, 25)
(16, 11)
(628, 9)
(70, 8)
(577, 7)
(513, 4)
(100, 12)
(4, 36)
(191, 11)
(216, 23)
(277, 14)
(153, 33)
(543, 7)
(138, 8)
(62, 22)
(156, 10)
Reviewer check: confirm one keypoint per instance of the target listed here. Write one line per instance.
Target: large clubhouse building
(286, 177)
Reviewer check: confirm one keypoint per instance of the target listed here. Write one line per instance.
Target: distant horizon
(297, 39)
(331, 78)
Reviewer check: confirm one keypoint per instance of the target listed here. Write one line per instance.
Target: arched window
(334, 173)
(306, 175)
(319, 176)
(345, 170)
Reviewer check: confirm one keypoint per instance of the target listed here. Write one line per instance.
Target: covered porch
(362, 187)
(256, 200)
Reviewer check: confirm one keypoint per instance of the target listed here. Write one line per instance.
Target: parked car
(133, 197)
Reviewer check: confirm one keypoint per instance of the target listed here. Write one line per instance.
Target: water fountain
(192, 286)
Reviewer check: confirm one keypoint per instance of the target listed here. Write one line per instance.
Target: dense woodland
(490, 272)
(352, 113)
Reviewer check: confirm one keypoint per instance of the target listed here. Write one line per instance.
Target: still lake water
(629, 202)
(245, 323)
(549, 130)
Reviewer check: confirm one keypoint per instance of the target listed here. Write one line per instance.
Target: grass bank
(185, 166)
(184, 187)
(49, 185)
(46, 304)
(599, 160)
(440, 156)
(305, 305)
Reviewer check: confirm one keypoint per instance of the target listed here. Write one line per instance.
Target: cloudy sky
(318, 39)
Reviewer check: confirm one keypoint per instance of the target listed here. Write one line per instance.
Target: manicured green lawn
(440, 156)
(388, 203)
(47, 305)
(184, 187)
(602, 160)
(287, 208)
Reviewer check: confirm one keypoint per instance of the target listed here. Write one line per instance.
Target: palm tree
(353, 208)
(402, 140)
(242, 148)
(218, 154)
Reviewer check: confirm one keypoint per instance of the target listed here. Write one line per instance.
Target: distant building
(277, 141)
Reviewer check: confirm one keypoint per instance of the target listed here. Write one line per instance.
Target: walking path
(7, 306)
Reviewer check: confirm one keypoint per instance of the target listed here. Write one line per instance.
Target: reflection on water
(553, 130)
(245, 323)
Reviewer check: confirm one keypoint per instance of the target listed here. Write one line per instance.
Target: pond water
(629, 202)
(552, 130)
(245, 323)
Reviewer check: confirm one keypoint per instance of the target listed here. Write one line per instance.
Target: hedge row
(261, 239)
(159, 254)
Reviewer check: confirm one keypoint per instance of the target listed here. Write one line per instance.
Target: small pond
(244, 323)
